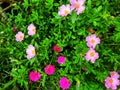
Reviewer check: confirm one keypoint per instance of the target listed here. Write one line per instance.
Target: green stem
(112, 44)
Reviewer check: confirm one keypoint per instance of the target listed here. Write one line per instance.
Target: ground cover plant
(60, 45)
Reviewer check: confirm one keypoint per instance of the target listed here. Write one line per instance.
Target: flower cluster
(92, 41)
(64, 81)
(49, 69)
(20, 37)
(112, 81)
(77, 5)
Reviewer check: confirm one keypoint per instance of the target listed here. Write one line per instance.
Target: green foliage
(102, 16)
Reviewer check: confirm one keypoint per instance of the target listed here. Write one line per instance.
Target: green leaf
(8, 84)
(44, 79)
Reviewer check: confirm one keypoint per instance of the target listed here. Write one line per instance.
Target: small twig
(11, 5)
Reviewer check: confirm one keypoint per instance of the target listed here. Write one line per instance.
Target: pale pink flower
(77, 5)
(91, 55)
(34, 76)
(64, 10)
(49, 69)
(112, 83)
(30, 52)
(19, 36)
(61, 59)
(31, 29)
(114, 74)
(92, 41)
(64, 83)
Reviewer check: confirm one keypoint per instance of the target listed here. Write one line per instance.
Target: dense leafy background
(102, 16)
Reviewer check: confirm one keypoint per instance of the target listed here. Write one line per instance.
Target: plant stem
(11, 5)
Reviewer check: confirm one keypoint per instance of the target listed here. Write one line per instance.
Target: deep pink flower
(77, 5)
(49, 69)
(64, 83)
(14, 29)
(91, 55)
(83, 69)
(57, 49)
(112, 83)
(61, 59)
(92, 41)
(64, 10)
(19, 36)
(31, 29)
(114, 74)
(34, 76)
(30, 52)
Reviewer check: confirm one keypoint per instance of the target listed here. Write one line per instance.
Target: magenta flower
(114, 74)
(49, 69)
(19, 36)
(57, 49)
(92, 41)
(30, 52)
(91, 55)
(34, 76)
(61, 59)
(31, 29)
(64, 83)
(64, 10)
(112, 83)
(77, 5)
(14, 29)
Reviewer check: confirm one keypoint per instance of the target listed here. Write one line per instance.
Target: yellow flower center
(111, 81)
(92, 41)
(66, 12)
(112, 74)
(77, 5)
(34, 30)
(21, 37)
(92, 54)
(33, 51)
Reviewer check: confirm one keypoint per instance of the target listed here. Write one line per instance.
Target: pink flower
(34, 76)
(114, 74)
(91, 55)
(61, 59)
(57, 49)
(14, 29)
(92, 41)
(49, 69)
(77, 5)
(30, 52)
(19, 36)
(112, 83)
(31, 29)
(64, 83)
(64, 10)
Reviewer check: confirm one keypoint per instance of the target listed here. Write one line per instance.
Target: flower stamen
(21, 37)
(33, 51)
(77, 5)
(92, 41)
(92, 54)
(66, 12)
(111, 80)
